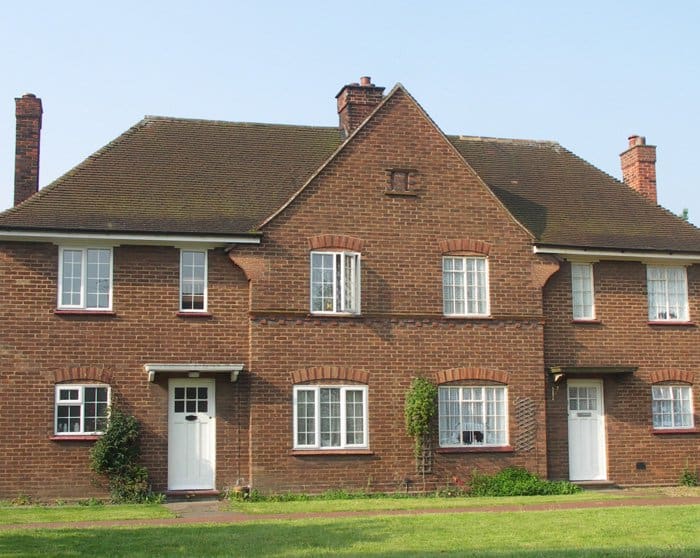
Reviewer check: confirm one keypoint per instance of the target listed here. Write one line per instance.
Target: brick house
(261, 296)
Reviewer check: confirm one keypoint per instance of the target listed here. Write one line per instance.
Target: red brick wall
(36, 343)
(402, 332)
(622, 338)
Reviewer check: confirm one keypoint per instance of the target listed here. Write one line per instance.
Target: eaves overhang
(119, 238)
(651, 256)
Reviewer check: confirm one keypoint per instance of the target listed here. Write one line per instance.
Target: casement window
(85, 278)
(330, 417)
(465, 286)
(582, 291)
(672, 406)
(335, 282)
(81, 408)
(193, 280)
(668, 293)
(473, 416)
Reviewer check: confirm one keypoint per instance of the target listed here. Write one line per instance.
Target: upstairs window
(465, 286)
(330, 417)
(81, 409)
(582, 291)
(668, 293)
(335, 282)
(473, 416)
(193, 281)
(672, 406)
(85, 278)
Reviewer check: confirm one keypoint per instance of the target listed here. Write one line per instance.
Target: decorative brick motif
(465, 245)
(335, 242)
(82, 373)
(456, 374)
(329, 373)
(543, 269)
(671, 375)
(252, 266)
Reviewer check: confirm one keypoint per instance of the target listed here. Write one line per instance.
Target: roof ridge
(157, 118)
(503, 140)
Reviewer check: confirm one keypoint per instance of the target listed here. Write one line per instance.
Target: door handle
(191, 417)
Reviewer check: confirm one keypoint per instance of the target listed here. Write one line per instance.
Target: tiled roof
(169, 175)
(565, 201)
(181, 176)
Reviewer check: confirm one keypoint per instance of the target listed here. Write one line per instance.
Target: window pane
(465, 286)
(192, 280)
(472, 416)
(354, 417)
(306, 419)
(71, 277)
(330, 417)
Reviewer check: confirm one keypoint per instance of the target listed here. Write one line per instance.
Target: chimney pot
(639, 167)
(355, 103)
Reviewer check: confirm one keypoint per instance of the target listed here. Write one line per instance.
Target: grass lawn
(387, 503)
(629, 531)
(47, 514)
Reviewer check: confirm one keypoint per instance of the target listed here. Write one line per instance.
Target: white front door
(587, 459)
(191, 434)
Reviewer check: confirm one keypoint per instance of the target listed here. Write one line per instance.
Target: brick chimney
(28, 112)
(639, 167)
(355, 102)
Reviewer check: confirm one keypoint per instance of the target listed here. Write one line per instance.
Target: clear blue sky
(585, 74)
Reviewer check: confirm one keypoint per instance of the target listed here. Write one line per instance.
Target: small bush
(116, 456)
(689, 477)
(516, 481)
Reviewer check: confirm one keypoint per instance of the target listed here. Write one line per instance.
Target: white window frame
(206, 281)
(465, 287)
(461, 442)
(75, 402)
(676, 416)
(82, 305)
(316, 389)
(663, 313)
(582, 283)
(341, 304)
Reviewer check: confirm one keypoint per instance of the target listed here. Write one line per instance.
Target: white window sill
(336, 314)
(468, 316)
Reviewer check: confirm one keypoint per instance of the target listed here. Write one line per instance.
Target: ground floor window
(672, 406)
(473, 416)
(81, 409)
(330, 417)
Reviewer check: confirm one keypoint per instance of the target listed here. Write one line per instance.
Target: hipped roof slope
(168, 175)
(198, 177)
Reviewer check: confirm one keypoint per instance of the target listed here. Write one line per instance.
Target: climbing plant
(419, 411)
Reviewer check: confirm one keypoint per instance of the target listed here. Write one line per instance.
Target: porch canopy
(560, 372)
(192, 370)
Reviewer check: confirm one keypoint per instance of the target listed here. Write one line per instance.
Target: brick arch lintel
(329, 373)
(337, 241)
(672, 375)
(465, 245)
(82, 373)
(455, 374)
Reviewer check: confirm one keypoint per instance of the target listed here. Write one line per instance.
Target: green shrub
(516, 481)
(116, 456)
(689, 477)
